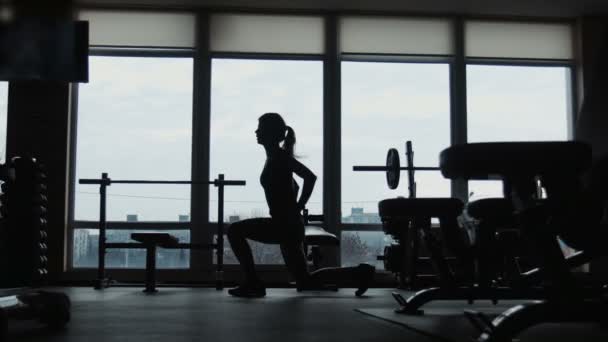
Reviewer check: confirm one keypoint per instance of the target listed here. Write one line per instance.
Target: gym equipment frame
(102, 281)
(393, 168)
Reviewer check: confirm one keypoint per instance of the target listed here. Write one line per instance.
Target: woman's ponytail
(290, 141)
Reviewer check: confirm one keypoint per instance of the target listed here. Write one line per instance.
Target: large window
(134, 122)
(3, 112)
(516, 103)
(397, 78)
(383, 106)
(242, 90)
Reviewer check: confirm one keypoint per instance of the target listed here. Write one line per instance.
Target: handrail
(106, 181)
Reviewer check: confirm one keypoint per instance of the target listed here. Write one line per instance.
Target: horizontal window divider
(134, 245)
(366, 227)
(519, 61)
(268, 56)
(118, 225)
(138, 245)
(361, 227)
(89, 272)
(395, 58)
(139, 51)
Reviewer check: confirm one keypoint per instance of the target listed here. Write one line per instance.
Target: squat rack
(102, 281)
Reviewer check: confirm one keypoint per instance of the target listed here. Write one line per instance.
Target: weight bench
(408, 220)
(151, 241)
(496, 239)
(316, 237)
(520, 165)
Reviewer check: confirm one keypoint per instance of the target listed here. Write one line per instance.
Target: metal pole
(101, 266)
(219, 276)
(409, 154)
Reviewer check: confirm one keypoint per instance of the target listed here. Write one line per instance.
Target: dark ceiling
(525, 8)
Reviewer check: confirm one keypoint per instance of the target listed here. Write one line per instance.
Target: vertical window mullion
(332, 113)
(573, 102)
(73, 133)
(458, 99)
(200, 228)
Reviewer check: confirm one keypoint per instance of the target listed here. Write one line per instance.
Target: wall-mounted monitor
(44, 50)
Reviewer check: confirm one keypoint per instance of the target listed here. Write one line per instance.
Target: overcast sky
(135, 119)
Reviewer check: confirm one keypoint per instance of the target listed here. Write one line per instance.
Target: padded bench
(151, 241)
(508, 160)
(409, 219)
(315, 237)
(560, 166)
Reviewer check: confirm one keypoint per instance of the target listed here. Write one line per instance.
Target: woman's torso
(279, 189)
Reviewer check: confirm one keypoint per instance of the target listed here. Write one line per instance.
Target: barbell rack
(102, 281)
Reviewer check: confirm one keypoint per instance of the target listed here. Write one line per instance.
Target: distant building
(357, 215)
(86, 244)
(81, 244)
(233, 218)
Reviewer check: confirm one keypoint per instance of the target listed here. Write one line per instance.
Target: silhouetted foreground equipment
(485, 249)
(408, 221)
(316, 237)
(152, 241)
(393, 168)
(23, 247)
(565, 212)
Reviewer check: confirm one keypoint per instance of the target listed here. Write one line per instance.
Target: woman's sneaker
(248, 291)
(364, 277)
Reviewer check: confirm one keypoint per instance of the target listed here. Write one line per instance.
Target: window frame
(201, 229)
(385, 58)
(458, 121)
(569, 65)
(73, 224)
(260, 56)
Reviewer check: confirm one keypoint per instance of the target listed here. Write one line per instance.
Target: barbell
(393, 168)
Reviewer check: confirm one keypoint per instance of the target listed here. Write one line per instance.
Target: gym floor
(204, 314)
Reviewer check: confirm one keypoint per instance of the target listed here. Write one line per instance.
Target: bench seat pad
(317, 236)
(491, 209)
(160, 239)
(497, 160)
(420, 207)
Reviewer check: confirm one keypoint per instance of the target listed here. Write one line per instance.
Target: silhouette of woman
(285, 225)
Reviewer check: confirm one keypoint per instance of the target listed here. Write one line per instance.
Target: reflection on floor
(182, 314)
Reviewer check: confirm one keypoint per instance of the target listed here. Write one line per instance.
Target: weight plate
(392, 168)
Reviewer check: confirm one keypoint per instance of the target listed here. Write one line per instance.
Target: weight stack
(23, 225)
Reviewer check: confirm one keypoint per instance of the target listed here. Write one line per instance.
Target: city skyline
(358, 247)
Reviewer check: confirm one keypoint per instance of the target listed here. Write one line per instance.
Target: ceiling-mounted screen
(44, 50)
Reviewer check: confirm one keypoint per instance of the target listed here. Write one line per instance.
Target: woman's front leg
(237, 236)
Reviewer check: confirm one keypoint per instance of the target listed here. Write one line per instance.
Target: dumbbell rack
(24, 224)
(23, 247)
